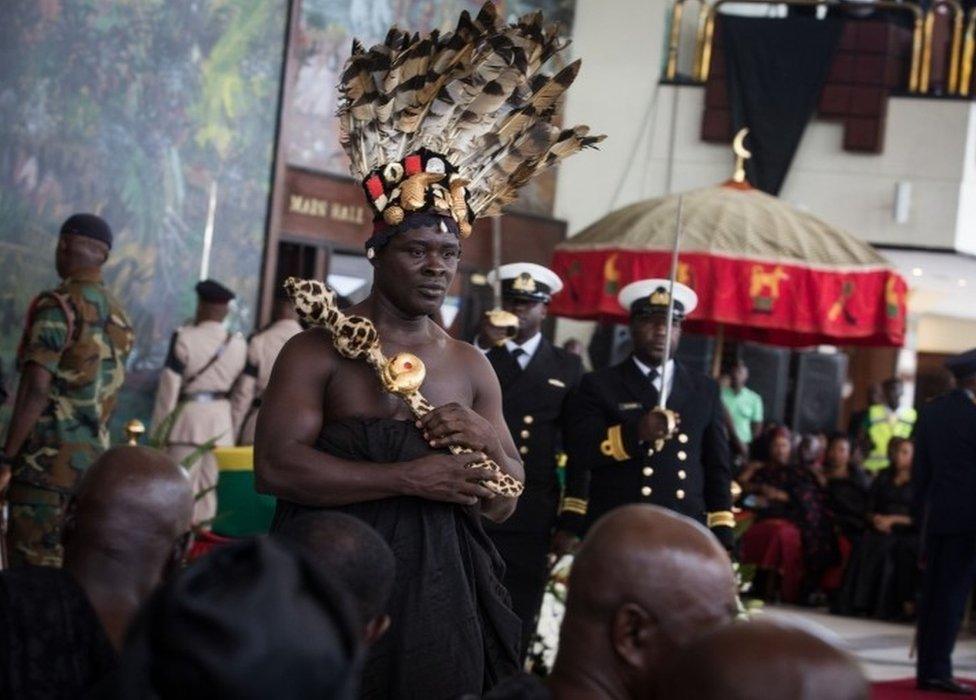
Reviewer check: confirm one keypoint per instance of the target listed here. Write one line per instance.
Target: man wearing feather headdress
(439, 129)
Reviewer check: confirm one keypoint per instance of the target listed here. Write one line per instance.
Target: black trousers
(526, 572)
(950, 570)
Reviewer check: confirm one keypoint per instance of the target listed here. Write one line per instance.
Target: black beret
(963, 365)
(88, 225)
(213, 291)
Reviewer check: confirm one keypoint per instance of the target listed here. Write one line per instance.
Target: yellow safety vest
(884, 425)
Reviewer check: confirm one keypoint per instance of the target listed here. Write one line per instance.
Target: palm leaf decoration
(159, 438)
(190, 461)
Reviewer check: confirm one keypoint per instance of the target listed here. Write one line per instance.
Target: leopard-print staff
(355, 337)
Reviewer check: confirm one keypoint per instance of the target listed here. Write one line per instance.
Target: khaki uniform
(200, 386)
(262, 351)
(82, 336)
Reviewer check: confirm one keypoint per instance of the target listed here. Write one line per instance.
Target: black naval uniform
(533, 401)
(609, 467)
(944, 473)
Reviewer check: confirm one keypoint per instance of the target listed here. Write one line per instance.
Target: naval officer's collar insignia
(524, 283)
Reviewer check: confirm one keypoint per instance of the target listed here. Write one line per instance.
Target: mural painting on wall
(136, 111)
(323, 41)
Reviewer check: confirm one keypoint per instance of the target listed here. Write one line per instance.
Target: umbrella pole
(717, 355)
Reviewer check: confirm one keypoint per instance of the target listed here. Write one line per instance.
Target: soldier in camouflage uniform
(72, 361)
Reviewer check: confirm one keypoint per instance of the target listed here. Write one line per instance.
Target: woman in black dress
(847, 489)
(882, 578)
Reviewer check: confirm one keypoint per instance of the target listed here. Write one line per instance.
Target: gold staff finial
(741, 155)
(133, 429)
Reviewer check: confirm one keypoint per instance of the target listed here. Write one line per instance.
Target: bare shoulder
(477, 370)
(468, 356)
(311, 350)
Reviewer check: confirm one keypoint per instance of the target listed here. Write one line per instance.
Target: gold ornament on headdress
(470, 105)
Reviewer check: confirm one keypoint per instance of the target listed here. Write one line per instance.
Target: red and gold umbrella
(763, 270)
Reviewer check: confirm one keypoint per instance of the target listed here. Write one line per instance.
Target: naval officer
(536, 378)
(623, 450)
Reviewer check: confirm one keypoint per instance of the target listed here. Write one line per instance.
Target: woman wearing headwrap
(794, 534)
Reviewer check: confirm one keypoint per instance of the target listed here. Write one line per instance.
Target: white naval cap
(527, 281)
(649, 296)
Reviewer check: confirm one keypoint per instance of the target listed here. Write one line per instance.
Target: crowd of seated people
(820, 529)
(292, 615)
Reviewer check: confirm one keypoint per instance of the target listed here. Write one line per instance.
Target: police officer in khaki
(203, 361)
(262, 351)
(72, 357)
(623, 451)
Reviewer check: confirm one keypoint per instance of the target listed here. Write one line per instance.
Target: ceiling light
(962, 283)
(916, 272)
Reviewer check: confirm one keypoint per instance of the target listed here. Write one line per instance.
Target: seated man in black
(255, 619)
(125, 531)
(352, 553)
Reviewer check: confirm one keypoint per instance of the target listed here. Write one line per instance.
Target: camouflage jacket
(82, 336)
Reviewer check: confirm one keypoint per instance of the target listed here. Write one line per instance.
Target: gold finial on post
(133, 430)
(742, 154)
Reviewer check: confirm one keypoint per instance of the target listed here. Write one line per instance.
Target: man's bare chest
(354, 390)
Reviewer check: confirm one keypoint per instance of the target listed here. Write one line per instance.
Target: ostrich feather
(474, 95)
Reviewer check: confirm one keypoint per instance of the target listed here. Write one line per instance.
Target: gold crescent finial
(741, 154)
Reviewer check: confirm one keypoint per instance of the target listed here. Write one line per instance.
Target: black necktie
(651, 378)
(516, 354)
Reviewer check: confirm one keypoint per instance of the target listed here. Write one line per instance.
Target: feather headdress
(455, 124)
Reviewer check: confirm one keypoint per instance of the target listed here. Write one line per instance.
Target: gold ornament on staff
(402, 375)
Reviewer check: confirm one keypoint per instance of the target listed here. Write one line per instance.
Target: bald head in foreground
(353, 554)
(645, 583)
(764, 660)
(126, 531)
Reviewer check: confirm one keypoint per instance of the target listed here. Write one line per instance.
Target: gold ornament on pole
(134, 429)
(742, 154)
(498, 317)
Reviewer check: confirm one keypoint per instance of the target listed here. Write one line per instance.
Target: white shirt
(668, 374)
(528, 349)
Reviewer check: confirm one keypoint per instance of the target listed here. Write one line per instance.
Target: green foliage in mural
(133, 110)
